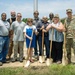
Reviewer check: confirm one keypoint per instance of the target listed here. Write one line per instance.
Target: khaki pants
(18, 44)
(10, 51)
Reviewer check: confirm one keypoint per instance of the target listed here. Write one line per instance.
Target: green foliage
(62, 20)
(24, 20)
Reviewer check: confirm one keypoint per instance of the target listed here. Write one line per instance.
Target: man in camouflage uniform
(70, 33)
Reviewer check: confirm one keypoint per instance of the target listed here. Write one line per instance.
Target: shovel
(64, 59)
(42, 58)
(49, 61)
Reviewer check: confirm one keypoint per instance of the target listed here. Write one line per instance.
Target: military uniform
(70, 36)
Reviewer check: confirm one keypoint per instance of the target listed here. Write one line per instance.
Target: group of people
(38, 34)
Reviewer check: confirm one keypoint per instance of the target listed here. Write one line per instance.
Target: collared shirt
(4, 28)
(18, 28)
(40, 24)
(36, 21)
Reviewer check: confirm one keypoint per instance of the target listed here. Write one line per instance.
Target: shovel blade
(27, 64)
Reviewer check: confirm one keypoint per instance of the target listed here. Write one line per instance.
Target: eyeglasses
(30, 21)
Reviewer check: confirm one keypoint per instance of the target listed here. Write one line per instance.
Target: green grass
(51, 70)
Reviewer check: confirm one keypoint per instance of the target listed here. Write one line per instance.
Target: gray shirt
(18, 28)
(4, 28)
(36, 21)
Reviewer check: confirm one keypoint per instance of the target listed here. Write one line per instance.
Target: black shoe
(23, 58)
(1, 63)
(5, 61)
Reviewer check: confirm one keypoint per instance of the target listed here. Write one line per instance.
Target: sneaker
(1, 64)
(58, 62)
(36, 57)
(6, 62)
(21, 60)
(13, 60)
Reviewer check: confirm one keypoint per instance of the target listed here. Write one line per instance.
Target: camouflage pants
(18, 44)
(70, 43)
(74, 45)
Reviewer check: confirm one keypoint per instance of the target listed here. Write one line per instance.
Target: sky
(26, 7)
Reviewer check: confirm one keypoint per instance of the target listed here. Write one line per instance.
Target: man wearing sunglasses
(70, 33)
(18, 38)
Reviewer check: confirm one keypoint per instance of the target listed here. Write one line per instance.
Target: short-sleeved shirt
(36, 21)
(4, 28)
(40, 24)
(28, 30)
(18, 28)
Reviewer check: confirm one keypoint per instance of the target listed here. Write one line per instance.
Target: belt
(3, 36)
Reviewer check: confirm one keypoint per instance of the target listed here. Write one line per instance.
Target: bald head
(13, 14)
(45, 18)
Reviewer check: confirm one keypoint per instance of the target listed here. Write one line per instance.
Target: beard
(13, 17)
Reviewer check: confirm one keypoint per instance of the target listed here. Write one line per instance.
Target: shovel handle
(42, 43)
(51, 43)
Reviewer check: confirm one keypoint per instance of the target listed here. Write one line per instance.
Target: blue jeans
(40, 45)
(46, 42)
(35, 48)
(47, 46)
(4, 46)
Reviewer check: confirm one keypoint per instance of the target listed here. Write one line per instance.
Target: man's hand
(53, 26)
(42, 27)
(44, 30)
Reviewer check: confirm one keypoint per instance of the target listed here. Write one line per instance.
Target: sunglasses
(19, 16)
(30, 21)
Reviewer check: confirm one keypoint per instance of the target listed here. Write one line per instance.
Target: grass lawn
(54, 69)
